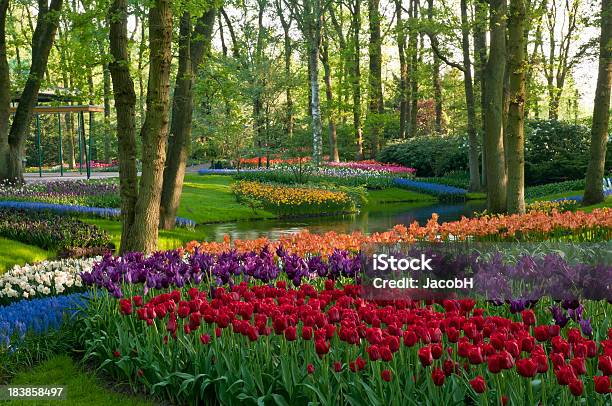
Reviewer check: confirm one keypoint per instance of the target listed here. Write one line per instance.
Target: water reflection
(368, 221)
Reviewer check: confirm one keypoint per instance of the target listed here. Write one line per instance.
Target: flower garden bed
(52, 232)
(283, 322)
(291, 201)
(65, 192)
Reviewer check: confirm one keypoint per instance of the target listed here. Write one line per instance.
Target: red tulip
(137, 300)
(385, 354)
(310, 368)
(565, 374)
(307, 333)
(125, 306)
(438, 377)
(361, 363)
(528, 317)
(116, 354)
(410, 338)
(494, 363)
(478, 384)
(218, 332)
(475, 356)
(576, 387)
(542, 362)
(373, 352)
(436, 351)
(541, 333)
(321, 347)
(205, 338)
(605, 364)
(386, 375)
(578, 365)
(291, 333)
(452, 334)
(448, 366)
(338, 366)
(425, 356)
(602, 384)
(527, 367)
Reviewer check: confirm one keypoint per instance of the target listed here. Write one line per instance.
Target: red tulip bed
(326, 344)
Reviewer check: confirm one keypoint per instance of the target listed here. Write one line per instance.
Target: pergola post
(61, 147)
(88, 148)
(38, 145)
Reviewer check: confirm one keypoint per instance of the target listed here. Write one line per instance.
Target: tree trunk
(313, 54)
(192, 49)
(107, 112)
(5, 93)
(517, 65)
(154, 132)
(125, 105)
(493, 76)
(329, 95)
(42, 40)
(593, 192)
(376, 105)
(403, 83)
(435, 73)
(288, 85)
(356, 79)
(469, 100)
(413, 45)
(480, 52)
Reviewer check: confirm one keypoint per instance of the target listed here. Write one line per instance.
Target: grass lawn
(209, 199)
(82, 388)
(13, 252)
(167, 239)
(396, 195)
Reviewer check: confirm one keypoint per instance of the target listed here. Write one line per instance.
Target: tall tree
(593, 191)
(435, 73)
(42, 40)
(403, 79)
(329, 96)
(141, 202)
(517, 67)
(375, 93)
(193, 47)
(356, 75)
(413, 53)
(480, 61)
(493, 76)
(5, 93)
(287, 51)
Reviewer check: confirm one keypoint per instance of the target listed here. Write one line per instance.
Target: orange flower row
(531, 226)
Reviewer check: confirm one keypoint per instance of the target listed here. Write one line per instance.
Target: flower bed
(37, 316)
(47, 278)
(328, 345)
(290, 201)
(51, 232)
(65, 192)
(371, 165)
(443, 192)
(102, 212)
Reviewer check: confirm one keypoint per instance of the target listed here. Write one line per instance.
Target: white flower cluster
(45, 278)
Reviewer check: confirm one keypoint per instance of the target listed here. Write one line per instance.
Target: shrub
(51, 231)
(430, 156)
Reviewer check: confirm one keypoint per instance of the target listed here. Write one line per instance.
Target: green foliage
(556, 151)
(430, 156)
(554, 188)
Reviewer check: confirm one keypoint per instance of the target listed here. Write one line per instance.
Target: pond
(369, 220)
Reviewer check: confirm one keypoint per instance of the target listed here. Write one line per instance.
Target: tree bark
(356, 78)
(375, 93)
(469, 100)
(286, 24)
(5, 93)
(517, 66)
(593, 192)
(403, 82)
(435, 74)
(192, 49)
(493, 76)
(480, 52)
(154, 132)
(107, 112)
(329, 95)
(125, 105)
(42, 40)
(413, 46)
(313, 54)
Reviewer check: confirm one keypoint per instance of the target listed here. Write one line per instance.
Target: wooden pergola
(80, 110)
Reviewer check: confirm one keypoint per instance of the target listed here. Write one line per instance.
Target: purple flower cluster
(173, 268)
